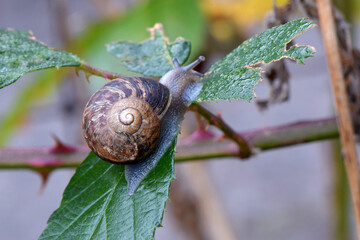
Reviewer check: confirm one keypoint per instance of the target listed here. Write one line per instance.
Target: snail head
(179, 78)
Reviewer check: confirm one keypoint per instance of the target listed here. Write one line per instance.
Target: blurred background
(297, 192)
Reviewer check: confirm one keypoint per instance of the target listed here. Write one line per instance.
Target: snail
(123, 120)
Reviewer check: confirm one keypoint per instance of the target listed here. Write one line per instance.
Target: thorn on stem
(44, 178)
(60, 147)
(87, 76)
(199, 134)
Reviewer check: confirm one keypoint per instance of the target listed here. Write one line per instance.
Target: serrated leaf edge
(253, 66)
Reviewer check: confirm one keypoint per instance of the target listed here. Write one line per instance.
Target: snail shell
(121, 121)
(131, 119)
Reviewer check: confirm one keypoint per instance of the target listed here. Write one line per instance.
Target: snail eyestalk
(197, 73)
(176, 62)
(195, 63)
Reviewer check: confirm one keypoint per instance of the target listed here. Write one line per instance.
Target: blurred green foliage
(179, 18)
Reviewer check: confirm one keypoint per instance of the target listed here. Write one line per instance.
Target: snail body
(139, 137)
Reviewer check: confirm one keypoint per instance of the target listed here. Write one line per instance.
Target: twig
(294, 133)
(45, 159)
(340, 195)
(210, 209)
(98, 72)
(339, 90)
(244, 148)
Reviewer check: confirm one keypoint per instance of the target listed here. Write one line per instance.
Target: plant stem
(43, 159)
(341, 197)
(98, 72)
(244, 148)
(294, 133)
(339, 90)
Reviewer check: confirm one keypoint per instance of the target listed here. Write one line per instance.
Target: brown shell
(121, 121)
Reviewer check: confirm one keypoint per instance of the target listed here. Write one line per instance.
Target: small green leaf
(179, 18)
(20, 53)
(152, 57)
(236, 75)
(96, 203)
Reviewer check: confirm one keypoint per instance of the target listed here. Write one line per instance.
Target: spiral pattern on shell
(121, 121)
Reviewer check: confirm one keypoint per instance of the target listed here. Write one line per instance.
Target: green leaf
(20, 53)
(152, 57)
(179, 18)
(96, 203)
(235, 76)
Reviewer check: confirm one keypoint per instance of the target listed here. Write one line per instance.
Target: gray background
(280, 194)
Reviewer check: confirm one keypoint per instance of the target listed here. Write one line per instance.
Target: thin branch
(45, 159)
(294, 133)
(339, 90)
(244, 148)
(88, 69)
